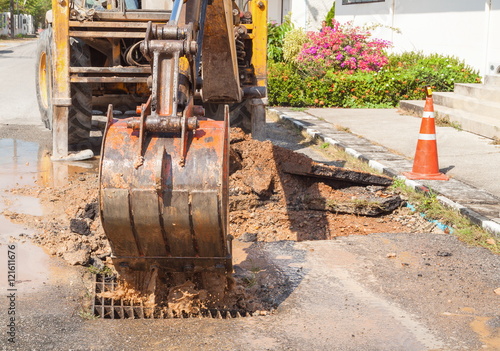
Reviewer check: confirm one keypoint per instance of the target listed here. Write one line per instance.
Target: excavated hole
(267, 206)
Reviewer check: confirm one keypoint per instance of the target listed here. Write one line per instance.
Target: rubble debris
(186, 299)
(79, 226)
(91, 210)
(248, 237)
(268, 173)
(266, 204)
(365, 204)
(335, 173)
(261, 183)
(76, 253)
(443, 254)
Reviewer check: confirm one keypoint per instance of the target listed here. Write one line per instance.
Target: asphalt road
(17, 72)
(345, 294)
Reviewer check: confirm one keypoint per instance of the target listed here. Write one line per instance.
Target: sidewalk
(6, 44)
(387, 141)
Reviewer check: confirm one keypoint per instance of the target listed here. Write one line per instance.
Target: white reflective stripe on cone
(427, 137)
(428, 114)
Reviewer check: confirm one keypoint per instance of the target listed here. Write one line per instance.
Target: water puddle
(18, 164)
(30, 263)
(24, 165)
(21, 204)
(11, 230)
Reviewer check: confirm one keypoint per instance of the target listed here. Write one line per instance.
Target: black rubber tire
(240, 114)
(43, 76)
(80, 112)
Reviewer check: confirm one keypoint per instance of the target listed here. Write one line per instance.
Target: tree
(4, 5)
(37, 8)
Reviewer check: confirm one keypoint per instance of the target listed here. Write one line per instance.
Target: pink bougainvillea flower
(343, 47)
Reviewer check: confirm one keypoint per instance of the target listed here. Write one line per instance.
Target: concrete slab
(485, 125)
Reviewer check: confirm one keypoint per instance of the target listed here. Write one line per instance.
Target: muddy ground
(266, 204)
(411, 290)
(406, 289)
(270, 200)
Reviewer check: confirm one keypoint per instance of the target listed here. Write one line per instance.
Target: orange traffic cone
(425, 164)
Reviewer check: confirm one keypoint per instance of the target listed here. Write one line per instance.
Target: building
(467, 29)
(23, 24)
(306, 14)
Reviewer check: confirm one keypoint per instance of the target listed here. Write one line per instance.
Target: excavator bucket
(164, 175)
(164, 205)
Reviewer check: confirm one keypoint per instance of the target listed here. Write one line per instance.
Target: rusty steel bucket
(163, 213)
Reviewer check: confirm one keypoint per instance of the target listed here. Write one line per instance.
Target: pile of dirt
(270, 203)
(179, 294)
(70, 227)
(272, 198)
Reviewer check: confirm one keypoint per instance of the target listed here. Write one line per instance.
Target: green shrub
(439, 71)
(330, 15)
(293, 43)
(285, 85)
(403, 78)
(275, 36)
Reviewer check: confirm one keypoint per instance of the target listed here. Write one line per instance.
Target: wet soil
(399, 291)
(267, 204)
(361, 291)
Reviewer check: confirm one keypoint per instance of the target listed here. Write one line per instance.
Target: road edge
(484, 222)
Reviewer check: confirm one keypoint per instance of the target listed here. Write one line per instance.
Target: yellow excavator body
(183, 68)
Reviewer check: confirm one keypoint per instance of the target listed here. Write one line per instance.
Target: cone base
(432, 176)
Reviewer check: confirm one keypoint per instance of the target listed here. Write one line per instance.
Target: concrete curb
(476, 218)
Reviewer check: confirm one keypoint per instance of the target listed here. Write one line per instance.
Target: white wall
(23, 24)
(4, 23)
(309, 14)
(492, 48)
(274, 11)
(467, 29)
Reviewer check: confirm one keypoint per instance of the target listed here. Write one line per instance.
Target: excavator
(171, 77)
